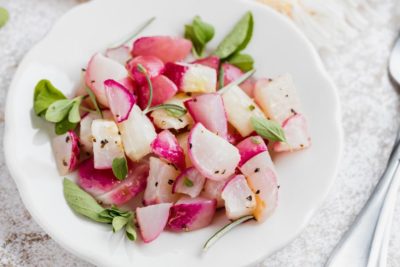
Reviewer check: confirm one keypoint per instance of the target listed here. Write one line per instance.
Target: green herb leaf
(130, 229)
(238, 81)
(74, 115)
(120, 168)
(82, 203)
(244, 62)
(4, 16)
(200, 33)
(187, 182)
(143, 70)
(45, 94)
(118, 223)
(268, 129)
(64, 126)
(57, 111)
(221, 77)
(220, 233)
(252, 107)
(172, 109)
(238, 38)
(94, 101)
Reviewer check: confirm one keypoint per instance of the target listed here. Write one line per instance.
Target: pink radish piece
(166, 146)
(248, 87)
(183, 140)
(231, 73)
(107, 143)
(238, 197)
(101, 68)
(250, 147)
(163, 90)
(190, 214)
(277, 98)
(160, 182)
(211, 61)
(153, 66)
(213, 190)
(152, 220)
(131, 186)
(262, 179)
(240, 108)
(166, 48)
(120, 54)
(137, 134)
(208, 109)
(129, 84)
(212, 155)
(194, 78)
(119, 99)
(66, 152)
(190, 182)
(296, 133)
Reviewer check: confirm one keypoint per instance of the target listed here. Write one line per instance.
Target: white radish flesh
(66, 152)
(190, 182)
(152, 220)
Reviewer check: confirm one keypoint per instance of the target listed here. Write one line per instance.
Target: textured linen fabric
(370, 115)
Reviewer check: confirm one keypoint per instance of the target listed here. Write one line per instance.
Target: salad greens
(200, 33)
(4, 16)
(243, 61)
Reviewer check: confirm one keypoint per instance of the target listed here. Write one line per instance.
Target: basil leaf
(200, 33)
(119, 222)
(120, 168)
(268, 129)
(64, 126)
(57, 111)
(94, 101)
(243, 61)
(82, 203)
(74, 115)
(172, 109)
(130, 230)
(187, 182)
(238, 38)
(45, 94)
(4, 16)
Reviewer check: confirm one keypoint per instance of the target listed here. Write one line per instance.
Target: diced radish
(152, 220)
(163, 90)
(213, 190)
(101, 68)
(160, 182)
(234, 136)
(95, 182)
(248, 87)
(277, 98)
(166, 48)
(129, 84)
(211, 61)
(183, 140)
(189, 214)
(238, 197)
(166, 146)
(212, 155)
(137, 134)
(120, 54)
(131, 186)
(119, 99)
(262, 179)
(164, 120)
(240, 108)
(107, 143)
(66, 152)
(192, 77)
(250, 147)
(231, 73)
(153, 66)
(208, 109)
(296, 133)
(190, 182)
(85, 131)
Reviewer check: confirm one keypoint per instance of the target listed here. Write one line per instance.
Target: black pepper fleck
(287, 95)
(194, 99)
(249, 198)
(67, 139)
(170, 181)
(256, 169)
(216, 172)
(156, 184)
(64, 163)
(83, 69)
(189, 94)
(293, 111)
(279, 186)
(103, 143)
(92, 81)
(223, 172)
(94, 140)
(301, 145)
(87, 154)
(180, 120)
(257, 192)
(190, 146)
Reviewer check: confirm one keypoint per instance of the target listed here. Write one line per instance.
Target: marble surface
(370, 109)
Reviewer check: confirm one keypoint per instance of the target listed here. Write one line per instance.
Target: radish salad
(180, 128)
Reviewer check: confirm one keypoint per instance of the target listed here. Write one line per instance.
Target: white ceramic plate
(277, 46)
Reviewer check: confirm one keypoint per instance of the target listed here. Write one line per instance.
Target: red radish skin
(160, 182)
(152, 220)
(262, 179)
(213, 190)
(208, 109)
(250, 147)
(129, 84)
(153, 66)
(211, 61)
(120, 54)
(296, 133)
(211, 154)
(166, 146)
(231, 73)
(119, 99)
(190, 214)
(163, 90)
(100, 69)
(66, 152)
(238, 197)
(166, 48)
(190, 182)
(175, 72)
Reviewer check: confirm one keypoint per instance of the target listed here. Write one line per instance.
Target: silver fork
(365, 241)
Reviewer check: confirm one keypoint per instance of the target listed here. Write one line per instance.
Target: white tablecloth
(370, 112)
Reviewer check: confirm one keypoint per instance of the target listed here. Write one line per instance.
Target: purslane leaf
(118, 223)
(4, 16)
(74, 115)
(130, 229)
(57, 111)
(45, 94)
(244, 62)
(64, 126)
(120, 168)
(200, 33)
(268, 129)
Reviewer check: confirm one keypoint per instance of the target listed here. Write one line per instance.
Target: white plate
(277, 46)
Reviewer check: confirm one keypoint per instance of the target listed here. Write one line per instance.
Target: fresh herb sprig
(245, 62)
(85, 205)
(200, 33)
(268, 129)
(120, 168)
(4, 16)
